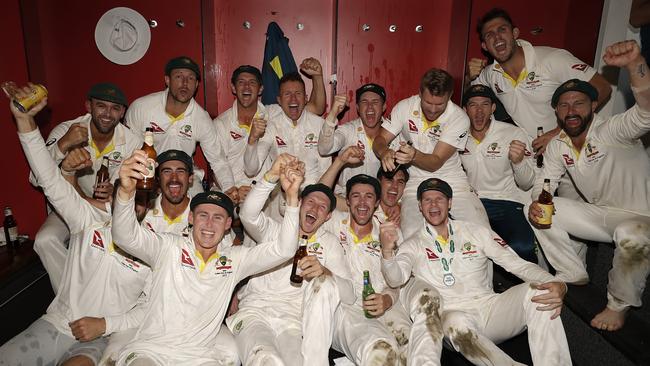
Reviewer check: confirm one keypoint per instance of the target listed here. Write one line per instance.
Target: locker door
(234, 34)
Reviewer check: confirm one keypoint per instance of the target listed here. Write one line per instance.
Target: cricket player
(178, 122)
(361, 132)
(606, 160)
(279, 323)
(100, 282)
(386, 335)
(499, 166)
(454, 256)
(101, 134)
(437, 129)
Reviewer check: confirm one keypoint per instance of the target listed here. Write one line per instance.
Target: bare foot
(609, 320)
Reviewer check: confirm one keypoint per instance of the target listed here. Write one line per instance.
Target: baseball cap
(176, 155)
(214, 198)
(107, 92)
(249, 69)
(377, 89)
(363, 179)
(183, 62)
(434, 184)
(320, 187)
(478, 90)
(574, 85)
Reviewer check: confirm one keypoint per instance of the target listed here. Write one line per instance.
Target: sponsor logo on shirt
(593, 154)
(431, 255)
(373, 248)
(532, 81)
(98, 241)
(235, 136)
(580, 67)
(494, 150)
(462, 135)
(315, 249)
(497, 88)
(280, 142)
(186, 260)
(131, 264)
(311, 140)
(360, 144)
(343, 239)
(500, 242)
(155, 128)
(527, 152)
(412, 127)
(568, 160)
(186, 131)
(50, 142)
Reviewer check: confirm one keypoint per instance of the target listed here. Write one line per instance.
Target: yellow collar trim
(202, 263)
(173, 119)
(106, 150)
(365, 239)
(520, 78)
(429, 124)
(311, 239)
(245, 127)
(441, 240)
(169, 221)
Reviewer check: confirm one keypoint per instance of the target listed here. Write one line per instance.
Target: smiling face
(479, 110)
(175, 180)
(182, 84)
(247, 89)
(499, 39)
(392, 188)
(362, 202)
(104, 115)
(574, 112)
(433, 106)
(370, 108)
(292, 99)
(210, 224)
(314, 211)
(435, 207)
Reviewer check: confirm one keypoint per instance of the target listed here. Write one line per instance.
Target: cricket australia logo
(115, 158)
(186, 131)
(311, 140)
(223, 266)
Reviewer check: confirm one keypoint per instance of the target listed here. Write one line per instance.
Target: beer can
(25, 104)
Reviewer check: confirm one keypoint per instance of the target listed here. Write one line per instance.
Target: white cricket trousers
(629, 231)
(51, 245)
(473, 327)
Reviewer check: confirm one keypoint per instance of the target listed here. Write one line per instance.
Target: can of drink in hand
(26, 103)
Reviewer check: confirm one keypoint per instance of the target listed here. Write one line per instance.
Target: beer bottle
(102, 174)
(11, 230)
(540, 157)
(148, 182)
(545, 202)
(367, 291)
(296, 278)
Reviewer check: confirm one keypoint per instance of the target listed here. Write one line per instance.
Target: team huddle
(418, 205)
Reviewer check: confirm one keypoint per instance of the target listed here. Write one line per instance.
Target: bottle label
(151, 168)
(547, 214)
(148, 139)
(13, 234)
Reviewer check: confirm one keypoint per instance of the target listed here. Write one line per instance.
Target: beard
(579, 129)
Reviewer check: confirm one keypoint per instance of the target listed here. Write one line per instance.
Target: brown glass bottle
(545, 202)
(148, 182)
(11, 231)
(296, 278)
(102, 174)
(540, 157)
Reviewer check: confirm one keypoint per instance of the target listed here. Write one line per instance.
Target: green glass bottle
(367, 290)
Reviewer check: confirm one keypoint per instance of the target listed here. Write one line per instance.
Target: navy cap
(377, 89)
(574, 85)
(434, 184)
(478, 90)
(183, 62)
(176, 155)
(214, 198)
(248, 69)
(107, 92)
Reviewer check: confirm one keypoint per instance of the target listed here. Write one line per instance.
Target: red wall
(27, 203)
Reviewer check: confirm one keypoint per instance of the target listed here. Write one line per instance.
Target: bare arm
(407, 154)
(317, 98)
